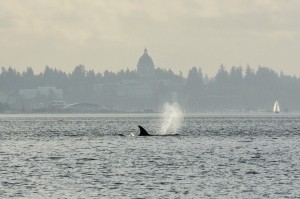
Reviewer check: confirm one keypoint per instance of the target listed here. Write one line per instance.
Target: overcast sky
(179, 34)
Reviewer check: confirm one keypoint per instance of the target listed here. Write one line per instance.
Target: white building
(45, 91)
(135, 90)
(145, 66)
(144, 87)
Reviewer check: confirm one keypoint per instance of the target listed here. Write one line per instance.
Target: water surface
(215, 156)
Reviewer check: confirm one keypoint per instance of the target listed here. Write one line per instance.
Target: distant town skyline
(111, 35)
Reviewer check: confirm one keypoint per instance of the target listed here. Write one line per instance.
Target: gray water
(215, 156)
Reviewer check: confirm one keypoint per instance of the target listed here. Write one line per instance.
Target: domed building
(145, 66)
(147, 88)
(139, 93)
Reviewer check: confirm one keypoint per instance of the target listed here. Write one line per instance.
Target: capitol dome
(145, 66)
(145, 60)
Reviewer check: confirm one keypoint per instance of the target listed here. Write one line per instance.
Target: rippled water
(81, 156)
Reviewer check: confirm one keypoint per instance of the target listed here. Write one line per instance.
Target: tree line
(235, 89)
(243, 89)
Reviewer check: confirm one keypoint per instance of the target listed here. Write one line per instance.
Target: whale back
(143, 132)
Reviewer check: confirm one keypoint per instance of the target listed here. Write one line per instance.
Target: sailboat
(276, 108)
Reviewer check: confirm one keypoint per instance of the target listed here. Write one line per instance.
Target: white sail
(276, 108)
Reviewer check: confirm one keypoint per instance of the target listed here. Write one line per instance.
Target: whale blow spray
(172, 119)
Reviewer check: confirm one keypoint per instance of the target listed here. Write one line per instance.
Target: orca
(143, 132)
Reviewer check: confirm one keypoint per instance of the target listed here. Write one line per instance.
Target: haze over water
(82, 57)
(215, 156)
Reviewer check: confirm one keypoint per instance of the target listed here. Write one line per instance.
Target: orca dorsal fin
(143, 132)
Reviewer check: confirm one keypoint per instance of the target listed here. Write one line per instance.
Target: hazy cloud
(179, 34)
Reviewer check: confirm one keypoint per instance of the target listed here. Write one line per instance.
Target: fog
(181, 34)
(148, 89)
